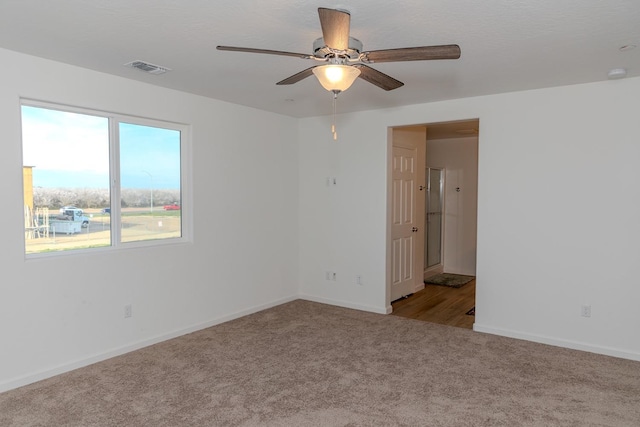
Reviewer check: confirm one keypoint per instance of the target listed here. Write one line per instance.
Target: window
(95, 180)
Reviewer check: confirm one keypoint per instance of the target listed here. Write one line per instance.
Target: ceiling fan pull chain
(333, 124)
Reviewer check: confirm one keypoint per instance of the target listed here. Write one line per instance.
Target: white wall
(459, 158)
(558, 211)
(552, 233)
(63, 312)
(343, 227)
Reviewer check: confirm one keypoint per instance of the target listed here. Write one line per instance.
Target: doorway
(449, 225)
(453, 147)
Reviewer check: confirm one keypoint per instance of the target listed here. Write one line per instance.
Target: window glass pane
(67, 187)
(65, 179)
(150, 189)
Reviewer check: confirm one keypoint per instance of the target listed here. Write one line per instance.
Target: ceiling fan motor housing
(322, 51)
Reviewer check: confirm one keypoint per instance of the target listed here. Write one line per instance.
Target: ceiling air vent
(148, 67)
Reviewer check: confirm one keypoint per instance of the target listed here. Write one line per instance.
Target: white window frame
(114, 119)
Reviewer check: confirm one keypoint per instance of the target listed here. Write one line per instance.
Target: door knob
(414, 229)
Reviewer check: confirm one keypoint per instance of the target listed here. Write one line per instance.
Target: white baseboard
(575, 345)
(345, 304)
(51, 372)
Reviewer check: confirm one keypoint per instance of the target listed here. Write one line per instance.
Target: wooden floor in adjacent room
(440, 304)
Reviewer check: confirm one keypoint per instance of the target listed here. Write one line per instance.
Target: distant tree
(85, 198)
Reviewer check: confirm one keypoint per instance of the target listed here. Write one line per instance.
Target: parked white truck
(75, 214)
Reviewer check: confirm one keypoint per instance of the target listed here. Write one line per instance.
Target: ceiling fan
(345, 60)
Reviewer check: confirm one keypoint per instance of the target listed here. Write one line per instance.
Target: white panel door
(407, 199)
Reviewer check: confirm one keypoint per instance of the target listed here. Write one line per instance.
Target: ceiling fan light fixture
(336, 77)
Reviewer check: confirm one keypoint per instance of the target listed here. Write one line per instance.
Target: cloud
(63, 141)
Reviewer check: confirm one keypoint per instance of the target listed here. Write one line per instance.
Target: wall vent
(148, 67)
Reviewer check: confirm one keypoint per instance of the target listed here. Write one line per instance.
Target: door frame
(475, 122)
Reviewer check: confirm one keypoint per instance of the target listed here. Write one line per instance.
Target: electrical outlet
(585, 311)
(127, 311)
(359, 280)
(334, 276)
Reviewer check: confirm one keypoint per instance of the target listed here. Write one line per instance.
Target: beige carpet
(309, 364)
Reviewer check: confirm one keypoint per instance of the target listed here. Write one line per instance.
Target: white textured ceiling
(506, 45)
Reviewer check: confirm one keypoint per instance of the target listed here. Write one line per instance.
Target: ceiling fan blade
(266, 51)
(296, 77)
(448, 51)
(335, 27)
(378, 78)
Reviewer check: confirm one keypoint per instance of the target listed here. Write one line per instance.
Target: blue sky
(71, 150)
